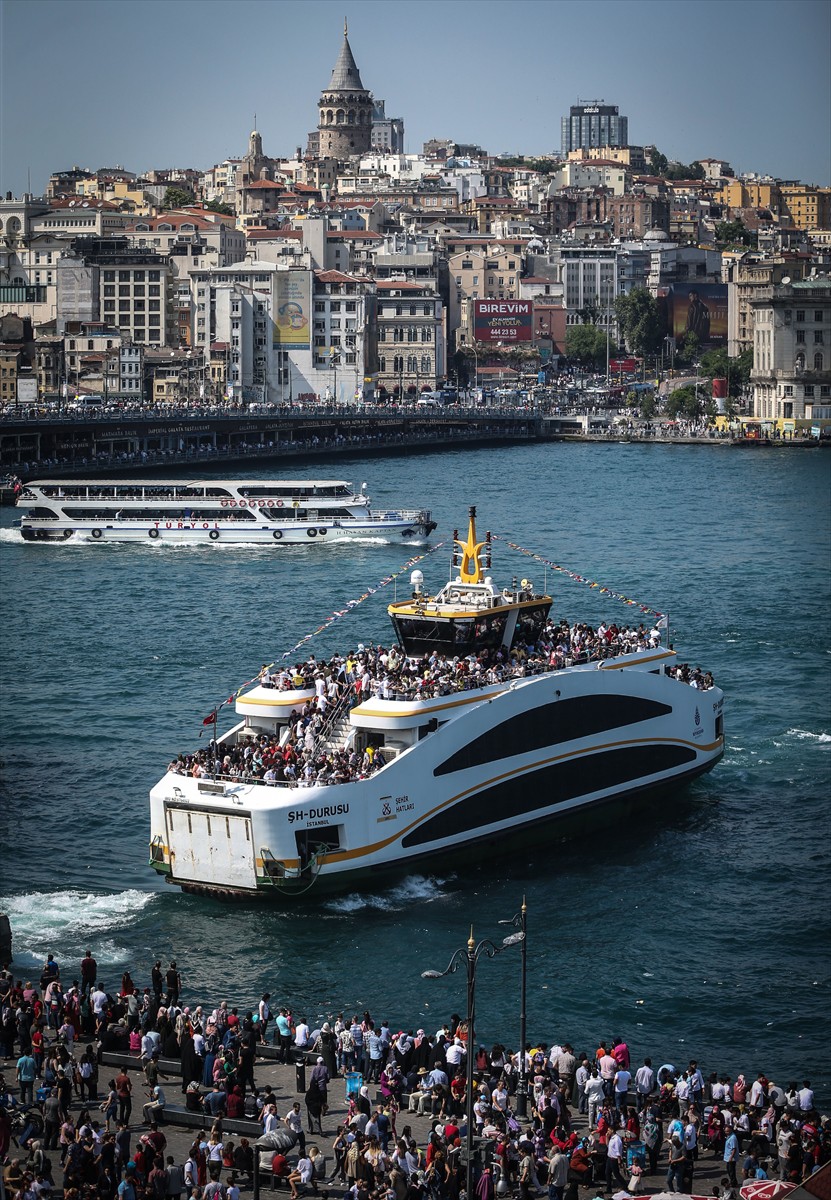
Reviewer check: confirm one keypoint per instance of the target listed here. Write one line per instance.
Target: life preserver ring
(67, 533)
(96, 533)
(311, 533)
(277, 534)
(153, 533)
(323, 531)
(279, 503)
(213, 535)
(269, 503)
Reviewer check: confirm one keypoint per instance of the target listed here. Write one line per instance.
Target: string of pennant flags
(337, 615)
(577, 578)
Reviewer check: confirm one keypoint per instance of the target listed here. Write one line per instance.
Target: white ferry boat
(465, 761)
(266, 511)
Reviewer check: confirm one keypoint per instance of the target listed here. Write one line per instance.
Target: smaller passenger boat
(265, 511)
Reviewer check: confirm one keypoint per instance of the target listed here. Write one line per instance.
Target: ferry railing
(334, 712)
(345, 703)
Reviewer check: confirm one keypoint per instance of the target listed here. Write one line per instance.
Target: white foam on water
(805, 735)
(72, 921)
(422, 888)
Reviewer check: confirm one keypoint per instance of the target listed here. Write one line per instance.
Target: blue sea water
(702, 931)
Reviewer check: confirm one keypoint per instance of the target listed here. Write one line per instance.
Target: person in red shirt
(279, 1169)
(235, 1102)
(37, 1048)
(620, 1053)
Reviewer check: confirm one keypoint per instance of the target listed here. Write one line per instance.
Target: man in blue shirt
(283, 1034)
(731, 1154)
(26, 1072)
(375, 1050)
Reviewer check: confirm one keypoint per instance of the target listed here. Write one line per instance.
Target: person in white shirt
(806, 1097)
(644, 1083)
(682, 1094)
(99, 1000)
(301, 1034)
(594, 1092)
(622, 1080)
(580, 1077)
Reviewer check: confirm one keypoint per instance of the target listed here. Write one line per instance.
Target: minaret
(345, 109)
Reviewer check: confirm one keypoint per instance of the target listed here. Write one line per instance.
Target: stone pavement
(282, 1079)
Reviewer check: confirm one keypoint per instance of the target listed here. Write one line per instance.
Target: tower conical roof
(346, 76)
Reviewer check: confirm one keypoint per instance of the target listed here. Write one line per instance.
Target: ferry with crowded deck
(258, 511)
(439, 761)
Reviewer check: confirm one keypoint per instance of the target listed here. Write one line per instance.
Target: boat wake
(423, 889)
(71, 922)
(805, 735)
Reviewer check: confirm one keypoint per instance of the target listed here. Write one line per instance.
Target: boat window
(217, 491)
(420, 635)
(552, 785)
(529, 624)
(551, 725)
(43, 514)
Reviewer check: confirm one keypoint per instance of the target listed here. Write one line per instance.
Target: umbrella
(766, 1189)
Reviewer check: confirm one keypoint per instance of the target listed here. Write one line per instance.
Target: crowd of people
(300, 754)
(591, 1119)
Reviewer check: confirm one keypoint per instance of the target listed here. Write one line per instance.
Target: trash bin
(300, 1075)
(354, 1083)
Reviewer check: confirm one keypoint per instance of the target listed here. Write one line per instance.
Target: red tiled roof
(82, 203)
(335, 277)
(277, 235)
(354, 234)
(265, 183)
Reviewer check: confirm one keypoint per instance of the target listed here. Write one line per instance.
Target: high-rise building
(387, 132)
(345, 109)
(595, 124)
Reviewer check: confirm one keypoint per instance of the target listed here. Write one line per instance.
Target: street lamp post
(469, 956)
(521, 923)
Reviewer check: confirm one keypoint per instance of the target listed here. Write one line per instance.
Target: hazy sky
(158, 83)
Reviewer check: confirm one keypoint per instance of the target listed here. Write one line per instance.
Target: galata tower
(345, 108)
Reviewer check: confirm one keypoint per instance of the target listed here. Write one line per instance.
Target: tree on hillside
(734, 233)
(586, 344)
(218, 207)
(688, 348)
(176, 197)
(658, 162)
(639, 321)
(716, 364)
(683, 402)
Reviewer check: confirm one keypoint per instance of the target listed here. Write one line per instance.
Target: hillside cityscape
(354, 273)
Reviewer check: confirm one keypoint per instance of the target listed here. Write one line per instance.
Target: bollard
(300, 1074)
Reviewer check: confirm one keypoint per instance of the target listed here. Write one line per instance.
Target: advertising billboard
(292, 309)
(699, 308)
(503, 320)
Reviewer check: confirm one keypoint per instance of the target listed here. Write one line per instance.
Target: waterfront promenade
(112, 441)
(104, 1048)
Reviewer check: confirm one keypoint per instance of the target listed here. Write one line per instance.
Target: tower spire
(345, 28)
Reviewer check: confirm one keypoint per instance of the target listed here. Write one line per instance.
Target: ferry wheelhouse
(264, 511)
(468, 744)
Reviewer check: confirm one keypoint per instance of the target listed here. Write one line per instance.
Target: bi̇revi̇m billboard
(503, 320)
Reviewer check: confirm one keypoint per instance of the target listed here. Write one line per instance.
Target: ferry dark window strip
(551, 785)
(551, 724)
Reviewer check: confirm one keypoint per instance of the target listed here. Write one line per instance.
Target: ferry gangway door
(211, 846)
